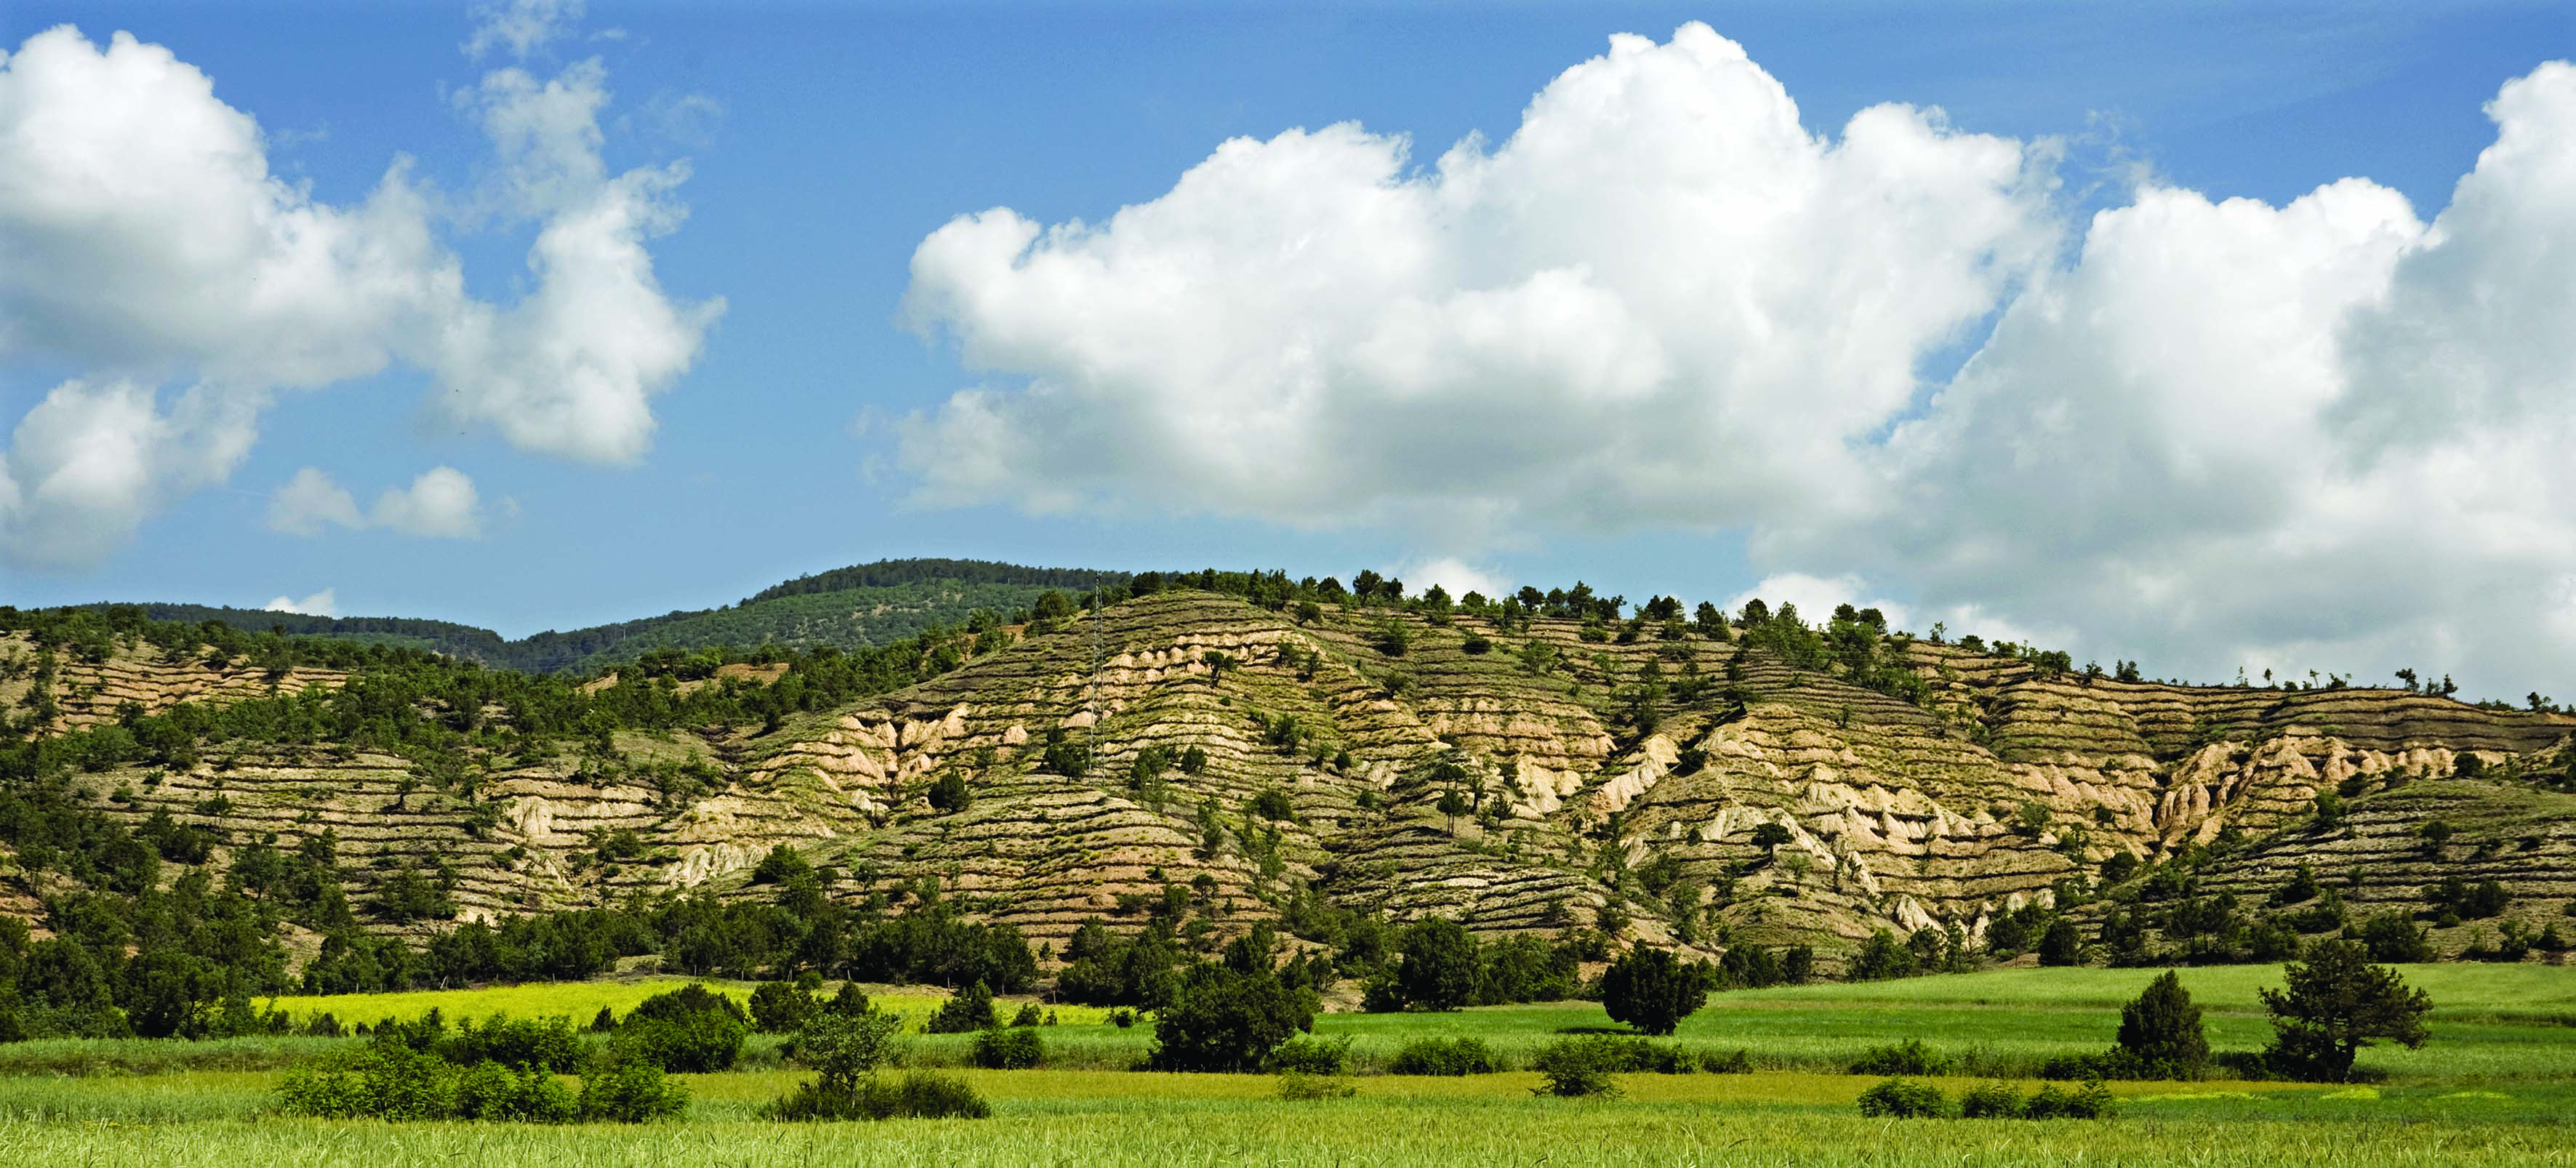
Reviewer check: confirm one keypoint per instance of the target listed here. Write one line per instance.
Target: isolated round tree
(1652, 992)
(1439, 968)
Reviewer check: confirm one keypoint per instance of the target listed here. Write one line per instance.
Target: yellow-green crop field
(2496, 1086)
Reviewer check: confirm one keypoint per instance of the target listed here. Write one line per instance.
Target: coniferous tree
(2162, 1028)
(2333, 1005)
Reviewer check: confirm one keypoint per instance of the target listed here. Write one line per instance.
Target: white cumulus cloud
(310, 503)
(1620, 314)
(1452, 574)
(440, 504)
(1816, 597)
(143, 237)
(323, 603)
(2199, 430)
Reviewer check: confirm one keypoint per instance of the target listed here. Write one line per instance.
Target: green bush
(388, 1079)
(630, 1090)
(1909, 1057)
(1224, 1020)
(779, 1007)
(693, 998)
(697, 1043)
(492, 1091)
(1904, 1099)
(918, 1095)
(1662, 1058)
(1300, 1086)
(970, 1010)
(1734, 1062)
(385, 1079)
(1991, 1101)
(2090, 1101)
(1309, 1055)
(1445, 1056)
(550, 1043)
(1580, 1066)
(1015, 1049)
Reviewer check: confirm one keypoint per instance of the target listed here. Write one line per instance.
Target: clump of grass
(1300, 1086)
(1909, 1057)
(1580, 1066)
(1307, 1054)
(1445, 1056)
(1904, 1099)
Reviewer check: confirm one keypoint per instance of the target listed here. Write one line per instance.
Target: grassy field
(2496, 1086)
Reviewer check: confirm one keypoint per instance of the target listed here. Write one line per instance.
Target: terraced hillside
(1679, 789)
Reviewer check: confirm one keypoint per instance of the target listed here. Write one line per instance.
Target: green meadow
(2497, 1085)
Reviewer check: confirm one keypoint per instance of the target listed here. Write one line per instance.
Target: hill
(847, 608)
(1248, 750)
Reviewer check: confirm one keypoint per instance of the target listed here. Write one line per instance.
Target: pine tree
(2335, 1003)
(2162, 1028)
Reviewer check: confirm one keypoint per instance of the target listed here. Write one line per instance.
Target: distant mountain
(853, 607)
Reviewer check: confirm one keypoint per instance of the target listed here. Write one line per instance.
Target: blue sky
(826, 142)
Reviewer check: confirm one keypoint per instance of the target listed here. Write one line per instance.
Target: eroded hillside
(1680, 789)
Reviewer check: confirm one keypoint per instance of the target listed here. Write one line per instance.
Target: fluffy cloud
(323, 603)
(86, 465)
(440, 504)
(1621, 314)
(521, 26)
(1816, 597)
(2324, 434)
(2210, 432)
(143, 236)
(1456, 576)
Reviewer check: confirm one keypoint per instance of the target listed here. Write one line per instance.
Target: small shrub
(1990, 1101)
(1731, 1062)
(551, 1044)
(918, 1095)
(1029, 1015)
(630, 1090)
(971, 1010)
(1909, 1057)
(698, 1043)
(779, 1007)
(1309, 1055)
(1015, 1049)
(1580, 1066)
(1445, 1056)
(693, 998)
(1904, 1099)
(1300, 1086)
(1122, 1018)
(491, 1091)
(2090, 1101)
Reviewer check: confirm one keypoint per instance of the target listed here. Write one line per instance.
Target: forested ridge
(847, 608)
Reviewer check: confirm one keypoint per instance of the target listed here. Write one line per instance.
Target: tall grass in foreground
(1558, 1133)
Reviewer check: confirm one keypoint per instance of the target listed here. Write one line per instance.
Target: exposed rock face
(1895, 815)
